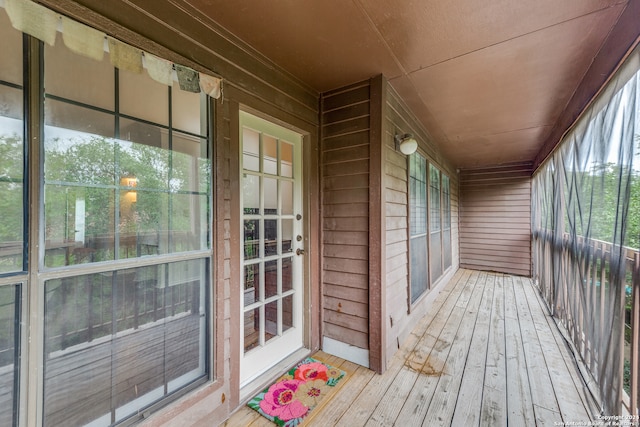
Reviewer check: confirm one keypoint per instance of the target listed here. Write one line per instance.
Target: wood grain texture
(377, 222)
(346, 218)
(495, 219)
(485, 354)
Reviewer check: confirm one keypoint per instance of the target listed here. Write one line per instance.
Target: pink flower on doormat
(279, 401)
(311, 392)
(311, 371)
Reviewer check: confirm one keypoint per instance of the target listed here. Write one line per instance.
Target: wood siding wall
(401, 316)
(495, 219)
(345, 143)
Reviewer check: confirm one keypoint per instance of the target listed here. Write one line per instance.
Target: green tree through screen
(137, 191)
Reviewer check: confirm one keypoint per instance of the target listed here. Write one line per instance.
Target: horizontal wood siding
(495, 219)
(401, 316)
(345, 152)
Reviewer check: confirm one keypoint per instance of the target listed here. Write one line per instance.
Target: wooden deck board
(468, 404)
(442, 406)
(494, 396)
(413, 355)
(571, 405)
(487, 353)
(542, 392)
(429, 355)
(519, 404)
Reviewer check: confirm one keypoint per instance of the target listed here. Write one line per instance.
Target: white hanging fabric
(42, 23)
(159, 69)
(83, 39)
(212, 86)
(124, 56)
(33, 19)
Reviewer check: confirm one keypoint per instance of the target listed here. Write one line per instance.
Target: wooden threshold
(487, 354)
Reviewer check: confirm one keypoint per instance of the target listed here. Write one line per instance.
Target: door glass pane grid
(270, 154)
(253, 284)
(272, 279)
(286, 159)
(267, 206)
(272, 320)
(278, 156)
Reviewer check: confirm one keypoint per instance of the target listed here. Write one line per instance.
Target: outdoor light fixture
(406, 143)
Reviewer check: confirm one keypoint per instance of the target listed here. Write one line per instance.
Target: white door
(272, 253)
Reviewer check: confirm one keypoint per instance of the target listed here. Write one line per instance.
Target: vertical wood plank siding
(495, 219)
(401, 317)
(345, 143)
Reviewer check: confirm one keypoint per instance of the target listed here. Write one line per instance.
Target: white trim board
(346, 351)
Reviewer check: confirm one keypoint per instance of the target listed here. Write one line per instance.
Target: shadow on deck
(487, 353)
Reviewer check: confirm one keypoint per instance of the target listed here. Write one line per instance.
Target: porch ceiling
(488, 79)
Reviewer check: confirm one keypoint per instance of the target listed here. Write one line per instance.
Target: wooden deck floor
(487, 354)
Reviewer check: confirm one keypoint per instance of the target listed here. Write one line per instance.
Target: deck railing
(584, 313)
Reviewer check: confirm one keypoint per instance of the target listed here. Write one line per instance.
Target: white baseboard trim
(346, 351)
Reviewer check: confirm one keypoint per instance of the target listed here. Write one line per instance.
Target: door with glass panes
(273, 245)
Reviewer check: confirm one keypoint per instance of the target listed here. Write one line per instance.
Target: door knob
(299, 251)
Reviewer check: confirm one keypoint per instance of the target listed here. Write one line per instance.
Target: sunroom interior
(198, 193)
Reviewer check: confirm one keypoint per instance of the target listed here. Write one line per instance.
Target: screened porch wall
(495, 219)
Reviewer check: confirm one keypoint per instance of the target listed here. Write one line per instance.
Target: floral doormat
(290, 399)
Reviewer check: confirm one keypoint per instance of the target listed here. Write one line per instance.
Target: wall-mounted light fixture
(406, 143)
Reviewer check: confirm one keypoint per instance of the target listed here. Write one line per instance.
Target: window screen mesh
(586, 216)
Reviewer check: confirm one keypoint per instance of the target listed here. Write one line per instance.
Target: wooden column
(377, 229)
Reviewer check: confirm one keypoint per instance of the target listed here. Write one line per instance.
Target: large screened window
(9, 353)
(125, 240)
(429, 224)
(12, 214)
(435, 223)
(105, 230)
(118, 341)
(446, 222)
(418, 225)
(125, 175)
(11, 150)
